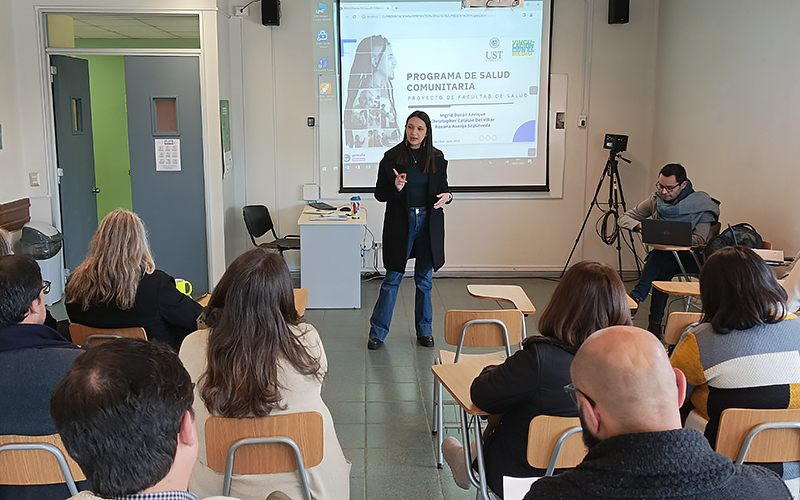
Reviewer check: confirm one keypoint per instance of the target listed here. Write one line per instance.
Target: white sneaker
(454, 456)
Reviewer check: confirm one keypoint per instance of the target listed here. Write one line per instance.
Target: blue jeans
(419, 239)
(660, 266)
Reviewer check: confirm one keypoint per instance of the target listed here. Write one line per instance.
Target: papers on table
(329, 216)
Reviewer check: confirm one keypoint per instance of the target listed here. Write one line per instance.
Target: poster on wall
(168, 155)
(225, 125)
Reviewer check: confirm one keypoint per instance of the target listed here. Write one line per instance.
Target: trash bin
(44, 243)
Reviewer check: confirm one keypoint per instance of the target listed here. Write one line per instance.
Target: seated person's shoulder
(760, 481)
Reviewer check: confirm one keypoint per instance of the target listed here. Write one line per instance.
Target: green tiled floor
(381, 401)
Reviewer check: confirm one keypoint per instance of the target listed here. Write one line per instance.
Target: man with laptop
(682, 217)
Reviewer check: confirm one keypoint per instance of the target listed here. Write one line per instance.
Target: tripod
(616, 198)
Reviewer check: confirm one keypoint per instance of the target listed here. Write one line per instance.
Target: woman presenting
(412, 180)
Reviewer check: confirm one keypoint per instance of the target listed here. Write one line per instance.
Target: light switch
(34, 179)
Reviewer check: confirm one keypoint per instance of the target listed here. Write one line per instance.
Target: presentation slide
(476, 72)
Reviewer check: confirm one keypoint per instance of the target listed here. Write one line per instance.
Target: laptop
(667, 232)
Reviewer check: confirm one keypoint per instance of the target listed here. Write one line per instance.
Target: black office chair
(258, 222)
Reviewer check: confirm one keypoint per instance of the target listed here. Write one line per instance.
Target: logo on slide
(494, 42)
(523, 47)
(325, 88)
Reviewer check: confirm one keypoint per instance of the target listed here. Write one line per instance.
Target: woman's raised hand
(399, 180)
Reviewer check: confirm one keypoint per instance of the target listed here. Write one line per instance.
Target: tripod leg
(615, 173)
(606, 170)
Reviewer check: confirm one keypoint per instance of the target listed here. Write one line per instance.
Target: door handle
(95, 190)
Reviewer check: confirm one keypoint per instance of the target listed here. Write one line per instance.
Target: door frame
(209, 110)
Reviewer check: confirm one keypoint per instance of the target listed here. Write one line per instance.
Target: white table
(330, 261)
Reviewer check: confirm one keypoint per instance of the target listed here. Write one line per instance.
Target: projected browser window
(476, 72)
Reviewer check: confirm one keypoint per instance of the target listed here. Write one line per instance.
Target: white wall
(12, 176)
(501, 235)
(230, 83)
(727, 105)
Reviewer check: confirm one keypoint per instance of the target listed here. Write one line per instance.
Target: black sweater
(166, 314)
(529, 383)
(674, 465)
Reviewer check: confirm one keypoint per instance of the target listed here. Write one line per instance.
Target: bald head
(628, 376)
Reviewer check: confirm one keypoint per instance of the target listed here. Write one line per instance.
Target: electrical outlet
(581, 121)
(241, 11)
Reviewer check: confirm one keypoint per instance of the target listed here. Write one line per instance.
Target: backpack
(741, 234)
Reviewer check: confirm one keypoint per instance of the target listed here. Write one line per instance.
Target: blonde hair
(5, 243)
(119, 256)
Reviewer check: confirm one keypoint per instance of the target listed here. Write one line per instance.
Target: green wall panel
(110, 133)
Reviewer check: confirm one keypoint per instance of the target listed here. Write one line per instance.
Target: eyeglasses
(573, 394)
(46, 286)
(668, 189)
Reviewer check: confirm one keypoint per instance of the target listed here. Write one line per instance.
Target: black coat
(528, 384)
(166, 314)
(395, 219)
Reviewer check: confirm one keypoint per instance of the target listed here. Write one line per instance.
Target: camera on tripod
(616, 142)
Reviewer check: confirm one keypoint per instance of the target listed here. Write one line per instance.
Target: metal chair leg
(439, 426)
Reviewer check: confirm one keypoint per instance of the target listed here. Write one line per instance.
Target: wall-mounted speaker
(271, 12)
(618, 11)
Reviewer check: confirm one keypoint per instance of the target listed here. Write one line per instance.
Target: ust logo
(324, 88)
(494, 55)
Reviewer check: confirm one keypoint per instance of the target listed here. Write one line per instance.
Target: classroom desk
(513, 294)
(683, 288)
(675, 249)
(457, 379)
(330, 261)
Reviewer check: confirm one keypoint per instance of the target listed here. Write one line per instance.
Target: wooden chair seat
(677, 322)
(37, 466)
(555, 443)
(233, 447)
(80, 334)
(781, 443)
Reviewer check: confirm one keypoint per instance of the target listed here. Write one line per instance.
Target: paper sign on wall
(168, 155)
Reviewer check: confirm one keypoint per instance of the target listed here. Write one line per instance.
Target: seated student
(260, 358)
(674, 200)
(629, 398)
(743, 353)
(124, 412)
(33, 357)
(118, 285)
(7, 248)
(589, 297)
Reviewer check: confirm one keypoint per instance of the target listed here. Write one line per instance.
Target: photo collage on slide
(370, 117)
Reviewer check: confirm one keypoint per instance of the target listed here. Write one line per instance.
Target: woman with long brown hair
(118, 285)
(260, 358)
(531, 382)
